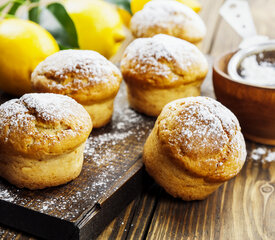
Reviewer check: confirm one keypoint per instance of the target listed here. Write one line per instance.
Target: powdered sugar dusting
(261, 74)
(263, 154)
(7, 196)
(128, 124)
(48, 106)
(204, 135)
(169, 17)
(13, 113)
(203, 126)
(87, 67)
(33, 114)
(109, 153)
(52, 107)
(161, 55)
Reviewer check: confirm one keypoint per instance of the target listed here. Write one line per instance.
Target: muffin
(168, 17)
(42, 138)
(161, 69)
(84, 75)
(195, 146)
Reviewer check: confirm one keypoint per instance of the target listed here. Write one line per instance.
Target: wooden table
(242, 208)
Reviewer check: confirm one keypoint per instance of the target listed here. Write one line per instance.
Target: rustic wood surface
(242, 208)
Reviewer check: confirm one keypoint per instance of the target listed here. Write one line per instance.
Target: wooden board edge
(36, 223)
(90, 224)
(95, 221)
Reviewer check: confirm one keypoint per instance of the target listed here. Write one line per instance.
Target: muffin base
(41, 173)
(151, 101)
(100, 113)
(176, 180)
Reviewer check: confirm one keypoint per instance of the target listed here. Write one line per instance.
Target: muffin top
(168, 17)
(203, 136)
(83, 75)
(38, 125)
(163, 61)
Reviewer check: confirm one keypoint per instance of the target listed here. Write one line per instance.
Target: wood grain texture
(211, 18)
(242, 208)
(146, 207)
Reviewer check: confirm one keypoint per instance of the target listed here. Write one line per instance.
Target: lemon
(125, 16)
(98, 25)
(137, 5)
(23, 45)
(194, 4)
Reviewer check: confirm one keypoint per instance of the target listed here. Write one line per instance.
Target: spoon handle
(237, 14)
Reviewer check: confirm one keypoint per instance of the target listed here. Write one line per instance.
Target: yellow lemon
(98, 24)
(137, 5)
(23, 45)
(125, 16)
(194, 4)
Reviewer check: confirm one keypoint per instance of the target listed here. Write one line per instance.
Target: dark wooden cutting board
(112, 176)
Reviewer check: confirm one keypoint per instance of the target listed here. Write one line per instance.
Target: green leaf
(2, 7)
(55, 19)
(14, 7)
(34, 13)
(9, 16)
(122, 3)
(67, 36)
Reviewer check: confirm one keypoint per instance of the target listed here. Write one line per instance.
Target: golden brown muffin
(42, 138)
(195, 146)
(168, 17)
(84, 75)
(161, 69)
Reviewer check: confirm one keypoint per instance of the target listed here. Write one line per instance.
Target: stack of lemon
(99, 26)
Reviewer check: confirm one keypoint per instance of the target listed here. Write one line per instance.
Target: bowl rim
(229, 78)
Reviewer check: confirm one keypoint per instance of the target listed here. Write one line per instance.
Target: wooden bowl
(253, 105)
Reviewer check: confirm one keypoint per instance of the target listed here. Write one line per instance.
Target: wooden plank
(136, 217)
(143, 213)
(144, 208)
(263, 14)
(242, 208)
(211, 18)
(119, 226)
(11, 234)
(112, 163)
(134, 221)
